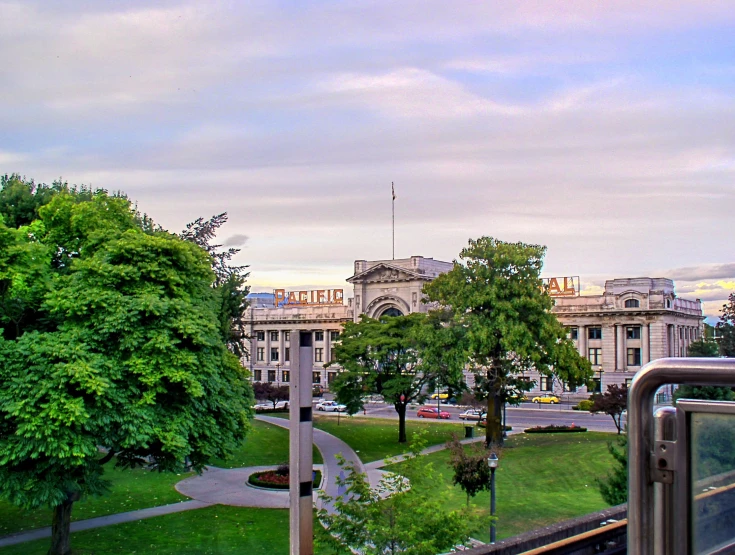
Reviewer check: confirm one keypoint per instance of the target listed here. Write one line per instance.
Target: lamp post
(600, 371)
(492, 462)
(278, 367)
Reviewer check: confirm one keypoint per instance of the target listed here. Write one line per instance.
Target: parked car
(431, 412)
(471, 414)
(317, 390)
(331, 406)
(280, 405)
(546, 398)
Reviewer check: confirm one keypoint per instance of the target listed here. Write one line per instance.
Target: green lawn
(217, 529)
(375, 438)
(130, 490)
(541, 479)
(266, 444)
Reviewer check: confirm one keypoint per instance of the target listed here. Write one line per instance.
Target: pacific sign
(315, 297)
(562, 286)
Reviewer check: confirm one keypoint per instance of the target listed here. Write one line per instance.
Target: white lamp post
(492, 462)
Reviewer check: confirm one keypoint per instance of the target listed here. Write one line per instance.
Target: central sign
(562, 286)
(313, 297)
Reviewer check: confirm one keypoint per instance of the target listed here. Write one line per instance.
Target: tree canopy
(111, 338)
(613, 402)
(726, 328)
(381, 357)
(504, 314)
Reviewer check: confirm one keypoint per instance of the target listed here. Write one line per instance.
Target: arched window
(391, 312)
(632, 303)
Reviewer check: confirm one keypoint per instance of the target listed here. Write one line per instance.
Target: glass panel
(712, 464)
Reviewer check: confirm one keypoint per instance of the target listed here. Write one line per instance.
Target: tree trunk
(494, 429)
(401, 410)
(61, 521)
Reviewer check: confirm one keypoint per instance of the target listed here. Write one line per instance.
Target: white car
(471, 414)
(280, 405)
(331, 406)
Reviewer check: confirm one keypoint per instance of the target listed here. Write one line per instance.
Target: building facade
(634, 321)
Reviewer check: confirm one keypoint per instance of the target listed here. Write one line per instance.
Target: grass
(218, 529)
(139, 489)
(541, 479)
(266, 444)
(374, 438)
(130, 490)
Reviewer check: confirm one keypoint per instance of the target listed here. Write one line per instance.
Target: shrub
(584, 405)
(554, 429)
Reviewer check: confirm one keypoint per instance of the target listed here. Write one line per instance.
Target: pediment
(385, 273)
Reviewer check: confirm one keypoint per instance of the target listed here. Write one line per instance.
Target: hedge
(254, 479)
(554, 429)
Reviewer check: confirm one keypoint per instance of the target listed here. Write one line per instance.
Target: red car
(426, 412)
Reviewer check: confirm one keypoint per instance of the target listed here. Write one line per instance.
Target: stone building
(634, 321)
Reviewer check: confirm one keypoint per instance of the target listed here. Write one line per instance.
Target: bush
(271, 479)
(554, 429)
(584, 405)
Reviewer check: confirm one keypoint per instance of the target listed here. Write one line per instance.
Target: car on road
(440, 396)
(431, 412)
(280, 405)
(317, 390)
(546, 398)
(331, 406)
(471, 414)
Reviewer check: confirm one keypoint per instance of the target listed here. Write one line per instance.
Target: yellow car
(546, 398)
(441, 396)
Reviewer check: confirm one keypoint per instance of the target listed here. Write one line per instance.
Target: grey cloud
(236, 240)
(708, 271)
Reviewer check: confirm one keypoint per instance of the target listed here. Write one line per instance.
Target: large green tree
(726, 328)
(120, 349)
(498, 301)
(704, 348)
(382, 357)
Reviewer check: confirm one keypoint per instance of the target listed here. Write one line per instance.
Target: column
(582, 342)
(267, 355)
(281, 352)
(669, 340)
(327, 348)
(620, 361)
(300, 442)
(645, 345)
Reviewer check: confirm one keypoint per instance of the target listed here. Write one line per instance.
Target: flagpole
(393, 216)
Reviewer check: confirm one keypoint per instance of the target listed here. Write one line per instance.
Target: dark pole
(492, 505)
(505, 435)
(492, 462)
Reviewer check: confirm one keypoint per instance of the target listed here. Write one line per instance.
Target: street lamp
(600, 371)
(278, 367)
(492, 462)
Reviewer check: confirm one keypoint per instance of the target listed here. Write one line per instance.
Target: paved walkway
(229, 486)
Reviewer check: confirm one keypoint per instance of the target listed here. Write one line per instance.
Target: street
(526, 416)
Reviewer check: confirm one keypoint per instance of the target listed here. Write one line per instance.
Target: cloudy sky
(604, 130)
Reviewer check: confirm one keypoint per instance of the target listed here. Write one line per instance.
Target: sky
(603, 130)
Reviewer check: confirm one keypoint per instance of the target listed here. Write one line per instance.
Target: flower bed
(272, 479)
(554, 429)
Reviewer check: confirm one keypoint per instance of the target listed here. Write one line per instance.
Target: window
(546, 383)
(332, 356)
(634, 357)
(274, 353)
(261, 353)
(594, 333)
(628, 381)
(334, 335)
(318, 354)
(595, 356)
(287, 354)
(668, 303)
(257, 375)
(318, 336)
(260, 335)
(573, 334)
(632, 303)
(633, 332)
(274, 336)
(271, 375)
(331, 376)
(287, 336)
(286, 376)
(316, 377)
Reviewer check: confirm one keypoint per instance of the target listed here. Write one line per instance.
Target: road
(525, 416)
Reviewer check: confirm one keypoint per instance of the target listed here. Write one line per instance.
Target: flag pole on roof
(393, 218)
